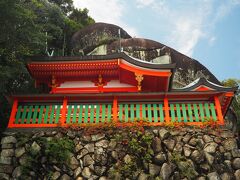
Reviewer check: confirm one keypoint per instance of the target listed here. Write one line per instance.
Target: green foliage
(236, 100)
(56, 151)
(65, 5)
(138, 146)
(81, 16)
(177, 157)
(22, 139)
(124, 170)
(158, 178)
(231, 82)
(59, 150)
(185, 167)
(128, 169)
(23, 28)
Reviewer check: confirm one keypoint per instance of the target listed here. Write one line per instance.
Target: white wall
(116, 83)
(77, 84)
(82, 84)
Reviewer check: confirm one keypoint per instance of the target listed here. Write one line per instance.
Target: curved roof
(132, 60)
(152, 50)
(204, 82)
(157, 77)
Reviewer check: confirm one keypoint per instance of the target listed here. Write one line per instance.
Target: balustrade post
(13, 113)
(219, 111)
(115, 109)
(64, 111)
(166, 110)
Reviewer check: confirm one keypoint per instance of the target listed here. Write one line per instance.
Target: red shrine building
(92, 90)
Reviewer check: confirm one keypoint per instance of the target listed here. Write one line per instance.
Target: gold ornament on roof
(53, 83)
(139, 78)
(100, 80)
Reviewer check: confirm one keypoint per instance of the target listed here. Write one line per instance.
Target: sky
(205, 30)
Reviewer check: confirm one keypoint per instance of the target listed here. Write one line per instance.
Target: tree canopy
(33, 27)
(231, 82)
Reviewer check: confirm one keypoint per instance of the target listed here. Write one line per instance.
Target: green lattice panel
(179, 116)
(89, 113)
(149, 112)
(126, 112)
(190, 112)
(132, 112)
(37, 114)
(138, 111)
(207, 111)
(196, 114)
(80, 114)
(202, 115)
(161, 113)
(144, 111)
(172, 112)
(97, 113)
(213, 111)
(184, 112)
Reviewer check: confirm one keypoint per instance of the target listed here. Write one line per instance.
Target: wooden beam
(145, 72)
(118, 124)
(99, 89)
(219, 111)
(13, 113)
(36, 125)
(166, 110)
(229, 94)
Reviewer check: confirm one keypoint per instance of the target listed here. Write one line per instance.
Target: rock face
(102, 39)
(87, 39)
(199, 154)
(187, 69)
(166, 171)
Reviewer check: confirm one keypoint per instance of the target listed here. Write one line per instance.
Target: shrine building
(116, 88)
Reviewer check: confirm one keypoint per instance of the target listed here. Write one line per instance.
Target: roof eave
(122, 55)
(204, 82)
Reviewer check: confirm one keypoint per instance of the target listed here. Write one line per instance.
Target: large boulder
(87, 39)
(102, 39)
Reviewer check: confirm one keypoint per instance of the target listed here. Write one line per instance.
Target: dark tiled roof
(101, 58)
(205, 82)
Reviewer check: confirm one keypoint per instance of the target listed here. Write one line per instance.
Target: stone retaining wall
(202, 153)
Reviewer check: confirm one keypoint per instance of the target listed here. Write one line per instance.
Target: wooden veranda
(162, 111)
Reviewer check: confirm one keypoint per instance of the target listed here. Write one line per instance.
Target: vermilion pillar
(166, 110)
(219, 111)
(13, 113)
(115, 109)
(64, 111)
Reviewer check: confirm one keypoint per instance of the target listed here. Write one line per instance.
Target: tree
(231, 82)
(65, 5)
(81, 17)
(23, 28)
(20, 37)
(236, 100)
(75, 21)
